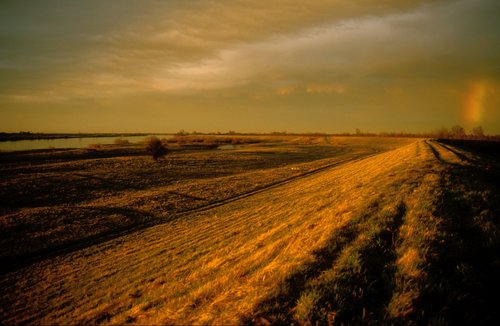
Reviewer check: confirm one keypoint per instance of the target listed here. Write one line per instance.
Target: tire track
(461, 156)
(443, 154)
(272, 185)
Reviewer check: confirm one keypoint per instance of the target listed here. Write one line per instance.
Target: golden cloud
(326, 88)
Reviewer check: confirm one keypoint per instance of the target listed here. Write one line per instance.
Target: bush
(121, 141)
(94, 147)
(155, 148)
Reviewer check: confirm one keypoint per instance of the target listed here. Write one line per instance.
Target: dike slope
(363, 228)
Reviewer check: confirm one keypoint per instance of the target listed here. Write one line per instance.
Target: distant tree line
(458, 132)
(455, 132)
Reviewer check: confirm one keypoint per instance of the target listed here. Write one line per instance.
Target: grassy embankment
(409, 236)
(53, 199)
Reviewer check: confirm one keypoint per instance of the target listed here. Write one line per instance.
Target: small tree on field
(155, 148)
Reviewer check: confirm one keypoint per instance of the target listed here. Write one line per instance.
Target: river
(24, 145)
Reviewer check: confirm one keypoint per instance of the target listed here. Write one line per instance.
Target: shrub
(121, 141)
(236, 141)
(94, 147)
(155, 148)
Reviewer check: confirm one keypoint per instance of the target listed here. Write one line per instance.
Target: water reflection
(23, 145)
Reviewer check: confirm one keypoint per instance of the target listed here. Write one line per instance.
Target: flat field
(284, 230)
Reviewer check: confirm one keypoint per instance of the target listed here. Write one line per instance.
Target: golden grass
(375, 216)
(56, 202)
(214, 266)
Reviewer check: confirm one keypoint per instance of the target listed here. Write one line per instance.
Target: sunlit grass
(372, 240)
(54, 202)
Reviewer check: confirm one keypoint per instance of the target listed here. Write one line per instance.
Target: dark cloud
(359, 63)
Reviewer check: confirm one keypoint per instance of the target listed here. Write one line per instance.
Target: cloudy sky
(249, 65)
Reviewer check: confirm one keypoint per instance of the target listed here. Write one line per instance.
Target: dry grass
(355, 243)
(51, 202)
(213, 141)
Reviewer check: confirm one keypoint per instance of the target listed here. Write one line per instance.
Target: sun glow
(474, 102)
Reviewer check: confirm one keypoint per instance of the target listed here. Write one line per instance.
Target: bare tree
(458, 132)
(155, 148)
(442, 133)
(478, 132)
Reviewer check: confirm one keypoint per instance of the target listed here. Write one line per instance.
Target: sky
(250, 66)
